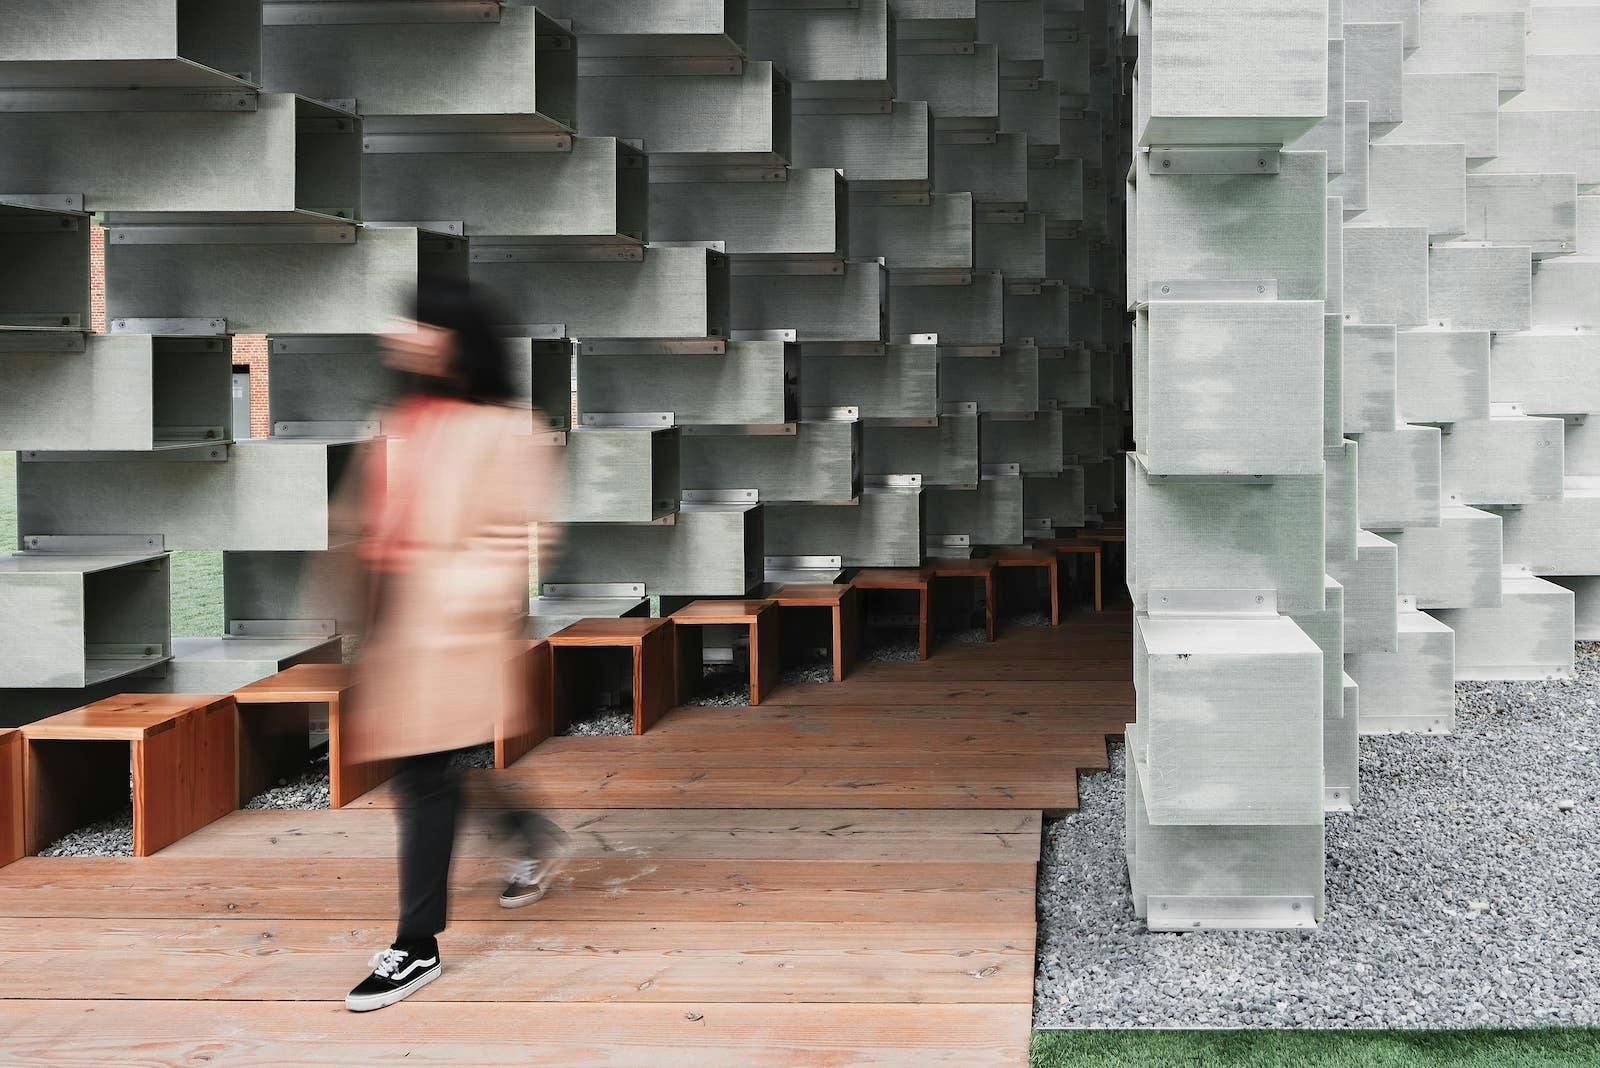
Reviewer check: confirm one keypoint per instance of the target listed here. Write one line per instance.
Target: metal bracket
(199, 327)
(803, 563)
(123, 650)
(938, 276)
(761, 335)
(786, 266)
(959, 408)
(987, 352)
(428, 143)
(731, 172)
(690, 346)
(449, 228)
(216, 452)
(1219, 604)
(1214, 159)
(591, 589)
(1012, 417)
(362, 12)
(914, 339)
(44, 201)
(948, 541)
(1256, 912)
(871, 482)
(534, 331)
(1207, 289)
(134, 99)
(994, 472)
(925, 47)
(281, 628)
(609, 253)
(53, 340)
(346, 429)
(845, 413)
(902, 420)
(1336, 799)
(45, 322)
(844, 348)
(95, 544)
(232, 234)
(720, 496)
(628, 420)
(841, 105)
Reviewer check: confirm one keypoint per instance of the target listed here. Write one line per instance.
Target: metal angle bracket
(713, 173)
(282, 628)
(376, 143)
(995, 472)
(233, 234)
(1220, 604)
(167, 327)
(785, 266)
(842, 105)
(803, 563)
(689, 346)
(591, 589)
(72, 202)
(1214, 159)
(534, 331)
(959, 408)
(1261, 912)
(53, 340)
(843, 348)
(241, 99)
(620, 252)
(446, 227)
(887, 482)
(658, 66)
(212, 452)
(844, 413)
(95, 544)
(720, 496)
(761, 335)
(981, 351)
(341, 429)
(628, 420)
(740, 430)
(1213, 289)
(363, 12)
(1336, 799)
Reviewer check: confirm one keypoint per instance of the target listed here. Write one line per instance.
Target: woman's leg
(430, 794)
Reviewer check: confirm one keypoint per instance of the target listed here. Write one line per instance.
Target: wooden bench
(648, 641)
(275, 724)
(180, 748)
(1079, 547)
(902, 578)
(1024, 556)
(980, 568)
(12, 834)
(759, 617)
(843, 605)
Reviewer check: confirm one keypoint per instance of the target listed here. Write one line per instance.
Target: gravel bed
(309, 790)
(812, 672)
(1465, 892)
(476, 758)
(722, 687)
(602, 722)
(889, 645)
(110, 837)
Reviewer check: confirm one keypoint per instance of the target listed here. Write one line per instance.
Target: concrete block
(988, 514)
(901, 384)
(617, 475)
(1555, 535)
(709, 551)
(1414, 688)
(90, 618)
(1341, 508)
(1564, 294)
(1371, 587)
(850, 305)
(1546, 373)
(820, 462)
(1448, 107)
(1417, 185)
(961, 314)
(1505, 459)
(945, 454)
(1009, 383)
(894, 147)
(1480, 288)
(1369, 379)
(1536, 210)
(884, 530)
(1456, 564)
(1399, 472)
(803, 215)
(1055, 501)
(1529, 635)
(1373, 65)
(1033, 444)
(1442, 375)
(1478, 40)
(1386, 274)
(740, 118)
(754, 383)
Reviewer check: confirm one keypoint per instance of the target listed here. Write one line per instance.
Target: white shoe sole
(399, 993)
(534, 893)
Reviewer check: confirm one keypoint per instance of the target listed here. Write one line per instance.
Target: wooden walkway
(842, 876)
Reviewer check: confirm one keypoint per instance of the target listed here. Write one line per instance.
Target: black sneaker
(396, 975)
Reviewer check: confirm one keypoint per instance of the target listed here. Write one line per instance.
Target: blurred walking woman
(445, 551)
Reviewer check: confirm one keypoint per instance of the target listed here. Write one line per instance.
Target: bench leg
(1052, 569)
(515, 737)
(654, 676)
(13, 836)
(1098, 605)
(846, 633)
(688, 671)
(988, 607)
(764, 655)
(924, 621)
(348, 781)
(184, 777)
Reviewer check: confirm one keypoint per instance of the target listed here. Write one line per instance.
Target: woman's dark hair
(482, 369)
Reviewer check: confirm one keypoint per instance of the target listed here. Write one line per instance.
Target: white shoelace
(386, 962)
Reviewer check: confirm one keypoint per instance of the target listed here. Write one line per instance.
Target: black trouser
(430, 800)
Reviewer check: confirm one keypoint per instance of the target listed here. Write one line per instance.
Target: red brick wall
(248, 349)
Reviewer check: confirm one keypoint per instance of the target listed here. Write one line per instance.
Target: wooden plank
(126, 717)
(301, 960)
(532, 721)
(730, 613)
(687, 1034)
(1046, 786)
(12, 835)
(590, 890)
(1013, 754)
(310, 683)
(863, 689)
(607, 633)
(977, 836)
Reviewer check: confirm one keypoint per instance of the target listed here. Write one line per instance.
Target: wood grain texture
(533, 722)
(317, 683)
(12, 833)
(692, 1034)
(126, 718)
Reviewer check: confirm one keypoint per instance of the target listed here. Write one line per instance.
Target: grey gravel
(813, 672)
(308, 790)
(722, 687)
(603, 722)
(889, 645)
(1458, 895)
(110, 837)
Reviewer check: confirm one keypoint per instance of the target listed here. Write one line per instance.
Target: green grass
(1564, 1048)
(196, 575)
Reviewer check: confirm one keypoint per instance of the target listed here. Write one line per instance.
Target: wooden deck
(844, 875)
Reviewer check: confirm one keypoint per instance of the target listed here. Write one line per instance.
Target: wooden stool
(274, 722)
(12, 839)
(650, 641)
(1075, 547)
(182, 753)
(524, 727)
(761, 617)
(1029, 556)
(981, 568)
(901, 578)
(843, 604)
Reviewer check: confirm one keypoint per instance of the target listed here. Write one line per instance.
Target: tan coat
(443, 663)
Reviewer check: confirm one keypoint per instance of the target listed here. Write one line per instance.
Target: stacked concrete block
(1239, 630)
(781, 280)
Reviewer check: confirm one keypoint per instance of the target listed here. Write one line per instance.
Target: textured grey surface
(1459, 894)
